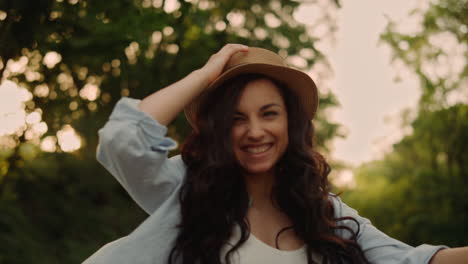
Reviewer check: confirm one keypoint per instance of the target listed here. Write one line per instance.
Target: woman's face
(260, 128)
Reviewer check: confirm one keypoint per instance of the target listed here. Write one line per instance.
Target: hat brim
(299, 82)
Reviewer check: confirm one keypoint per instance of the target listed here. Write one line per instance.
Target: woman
(248, 188)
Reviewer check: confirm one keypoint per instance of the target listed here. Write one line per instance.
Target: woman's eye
(270, 113)
(237, 118)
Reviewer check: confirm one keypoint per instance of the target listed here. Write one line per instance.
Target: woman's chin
(256, 170)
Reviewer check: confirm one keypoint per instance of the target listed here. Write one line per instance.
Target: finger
(230, 49)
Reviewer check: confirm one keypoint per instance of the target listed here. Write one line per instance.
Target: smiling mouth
(258, 149)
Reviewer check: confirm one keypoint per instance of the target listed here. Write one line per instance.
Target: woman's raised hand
(215, 65)
(165, 104)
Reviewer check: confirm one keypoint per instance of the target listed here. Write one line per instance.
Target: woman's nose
(255, 131)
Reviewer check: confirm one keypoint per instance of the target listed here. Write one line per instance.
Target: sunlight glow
(18, 66)
(236, 19)
(7, 142)
(51, 59)
(68, 139)
(32, 76)
(156, 37)
(3, 15)
(167, 31)
(308, 13)
(36, 131)
(12, 113)
(345, 179)
(220, 26)
(132, 52)
(33, 118)
(12, 122)
(157, 3)
(65, 80)
(297, 61)
(171, 6)
(281, 41)
(260, 33)
(49, 144)
(90, 92)
(172, 48)
(41, 90)
(272, 21)
(40, 128)
(146, 3)
(307, 53)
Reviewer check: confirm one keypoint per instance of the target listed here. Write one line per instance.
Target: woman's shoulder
(342, 210)
(337, 204)
(179, 164)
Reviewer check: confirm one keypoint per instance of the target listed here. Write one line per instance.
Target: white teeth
(260, 149)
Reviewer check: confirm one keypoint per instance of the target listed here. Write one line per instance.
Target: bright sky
(364, 79)
(365, 82)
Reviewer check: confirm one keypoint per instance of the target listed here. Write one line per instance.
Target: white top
(255, 251)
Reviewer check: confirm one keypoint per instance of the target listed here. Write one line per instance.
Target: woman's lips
(256, 150)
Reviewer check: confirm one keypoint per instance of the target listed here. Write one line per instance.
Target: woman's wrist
(202, 78)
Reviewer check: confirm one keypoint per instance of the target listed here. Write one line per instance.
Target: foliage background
(61, 206)
(418, 191)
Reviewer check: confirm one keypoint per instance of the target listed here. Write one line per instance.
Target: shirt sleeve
(133, 148)
(377, 246)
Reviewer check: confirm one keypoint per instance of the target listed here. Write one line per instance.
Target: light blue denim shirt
(133, 148)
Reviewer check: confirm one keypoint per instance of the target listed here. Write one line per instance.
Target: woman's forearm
(451, 256)
(165, 104)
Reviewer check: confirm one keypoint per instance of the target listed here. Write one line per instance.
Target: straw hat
(268, 63)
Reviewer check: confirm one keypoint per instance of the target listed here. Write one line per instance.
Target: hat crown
(254, 55)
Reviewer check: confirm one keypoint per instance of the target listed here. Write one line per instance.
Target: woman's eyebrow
(268, 106)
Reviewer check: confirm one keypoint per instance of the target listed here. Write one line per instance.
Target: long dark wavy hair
(214, 198)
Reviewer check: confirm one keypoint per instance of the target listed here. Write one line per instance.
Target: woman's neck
(259, 187)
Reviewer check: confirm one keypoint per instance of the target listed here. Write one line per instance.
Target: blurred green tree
(76, 59)
(417, 192)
